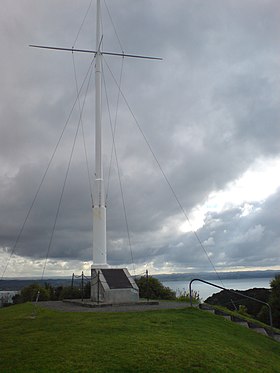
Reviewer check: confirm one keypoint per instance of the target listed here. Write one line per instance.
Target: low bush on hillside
(152, 288)
(184, 296)
(30, 294)
(34, 292)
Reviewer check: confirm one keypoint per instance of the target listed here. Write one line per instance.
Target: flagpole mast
(108, 285)
(99, 208)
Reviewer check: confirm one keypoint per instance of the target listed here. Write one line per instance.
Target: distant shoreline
(19, 283)
(218, 275)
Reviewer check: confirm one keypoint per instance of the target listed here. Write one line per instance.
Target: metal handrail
(231, 291)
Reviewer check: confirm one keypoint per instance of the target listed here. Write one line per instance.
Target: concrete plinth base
(113, 286)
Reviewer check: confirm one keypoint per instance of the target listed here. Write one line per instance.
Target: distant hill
(18, 284)
(213, 275)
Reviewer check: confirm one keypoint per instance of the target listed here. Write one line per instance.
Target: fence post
(98, 286)
(148, 288)
(72, 282)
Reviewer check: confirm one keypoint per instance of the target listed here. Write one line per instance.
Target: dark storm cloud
(208, 110)
(250, 240)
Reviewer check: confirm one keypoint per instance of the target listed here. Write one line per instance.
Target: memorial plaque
(116, 278)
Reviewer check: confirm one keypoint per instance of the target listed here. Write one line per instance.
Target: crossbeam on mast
(94, 52)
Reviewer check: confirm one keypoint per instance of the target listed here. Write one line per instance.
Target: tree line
(149, 288)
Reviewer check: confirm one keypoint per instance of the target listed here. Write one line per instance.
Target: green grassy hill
(157, 341)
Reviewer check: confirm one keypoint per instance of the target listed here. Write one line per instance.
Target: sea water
(206, 291)
(6, 296)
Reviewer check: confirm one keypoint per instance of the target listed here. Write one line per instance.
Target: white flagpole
(99, 208)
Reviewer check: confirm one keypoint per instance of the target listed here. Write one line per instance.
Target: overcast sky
(209, 111)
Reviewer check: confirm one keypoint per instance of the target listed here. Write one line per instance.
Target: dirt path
(71, 307)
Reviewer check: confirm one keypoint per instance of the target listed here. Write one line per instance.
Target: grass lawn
(185, 340)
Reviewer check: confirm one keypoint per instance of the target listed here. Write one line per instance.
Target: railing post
(190, 291)
(270, 314)
(72, 282)
(82, 286)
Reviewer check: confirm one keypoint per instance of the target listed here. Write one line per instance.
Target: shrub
(242, 310)
(184, 296)
(70, 293)
(152, 288)
(274, 300)
(29, 293)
